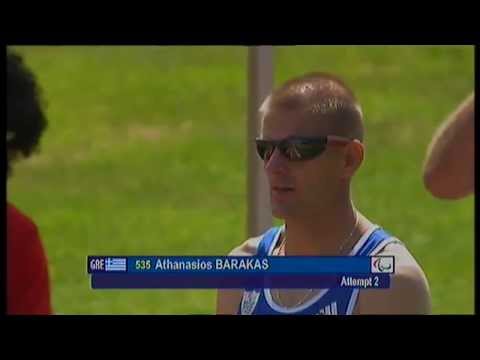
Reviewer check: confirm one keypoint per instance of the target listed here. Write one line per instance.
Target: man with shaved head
(311, 142)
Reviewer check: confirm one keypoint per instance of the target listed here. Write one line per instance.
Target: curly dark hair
(26, 120)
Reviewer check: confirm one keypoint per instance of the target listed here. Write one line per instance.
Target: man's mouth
(282, 189)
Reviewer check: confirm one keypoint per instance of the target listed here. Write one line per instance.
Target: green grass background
(146, 154)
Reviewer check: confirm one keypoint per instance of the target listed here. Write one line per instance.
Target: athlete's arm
(228, 300)
(408, 293)
(449, 166)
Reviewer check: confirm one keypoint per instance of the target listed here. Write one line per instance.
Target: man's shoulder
(21, 230)
(248, 248)
(409, 291)
(228, 300)
(18, 219)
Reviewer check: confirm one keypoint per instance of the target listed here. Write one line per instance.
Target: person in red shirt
(28, 284)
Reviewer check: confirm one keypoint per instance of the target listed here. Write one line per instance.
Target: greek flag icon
(116, 264)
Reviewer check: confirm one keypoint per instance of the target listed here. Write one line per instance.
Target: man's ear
(354, 154)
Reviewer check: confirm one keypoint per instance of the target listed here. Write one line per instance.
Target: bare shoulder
(248, 248)
(228, 300)
(409, 291)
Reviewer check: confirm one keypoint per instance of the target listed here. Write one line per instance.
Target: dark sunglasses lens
(264, 149)
(303, 151)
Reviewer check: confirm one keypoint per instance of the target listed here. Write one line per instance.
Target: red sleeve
(28, 285)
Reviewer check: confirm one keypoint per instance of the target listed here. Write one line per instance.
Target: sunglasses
(298, 148)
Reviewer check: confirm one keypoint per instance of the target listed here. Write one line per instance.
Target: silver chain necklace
(282, 246)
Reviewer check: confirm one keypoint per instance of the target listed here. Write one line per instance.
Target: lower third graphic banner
(222, 272)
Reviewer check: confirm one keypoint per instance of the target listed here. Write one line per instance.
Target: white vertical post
(260, 83)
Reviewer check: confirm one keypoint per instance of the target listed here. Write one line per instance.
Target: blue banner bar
(252, 281)
(240, 264)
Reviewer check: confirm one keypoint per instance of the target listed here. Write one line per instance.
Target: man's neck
(323, 234)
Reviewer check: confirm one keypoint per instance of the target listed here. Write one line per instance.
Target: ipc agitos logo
(382, 264)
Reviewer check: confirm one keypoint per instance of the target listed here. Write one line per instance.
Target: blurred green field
(146, 154)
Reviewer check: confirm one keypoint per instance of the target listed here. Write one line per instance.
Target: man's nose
(277, 162)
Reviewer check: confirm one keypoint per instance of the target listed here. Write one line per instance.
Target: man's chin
(281, 212)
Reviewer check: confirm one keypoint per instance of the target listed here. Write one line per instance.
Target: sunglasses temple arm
(337, 140)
